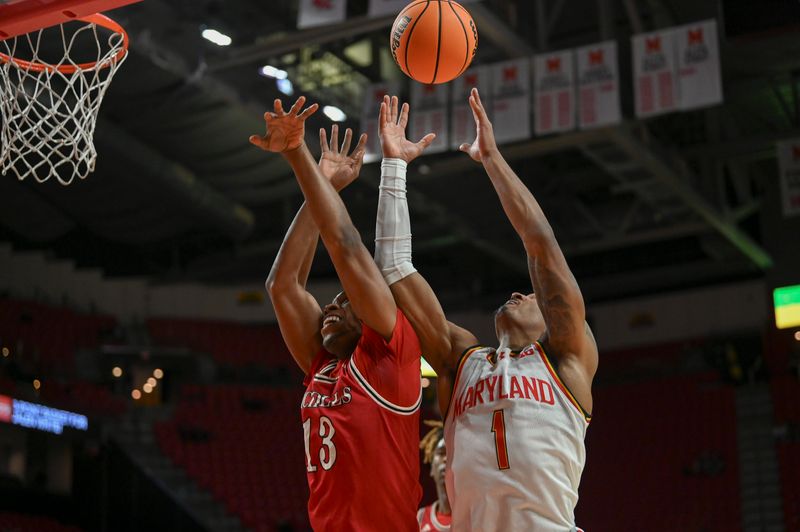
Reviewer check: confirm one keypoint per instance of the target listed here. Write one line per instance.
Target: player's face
(439, 462)
(341, 329)
(520, 309)
(519, 304)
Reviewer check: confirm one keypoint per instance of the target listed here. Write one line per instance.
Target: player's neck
(514, 334)
(341, 348)
(443, 506)
(514, 339)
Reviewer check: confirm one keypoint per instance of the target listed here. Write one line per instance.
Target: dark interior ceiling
(180, 195)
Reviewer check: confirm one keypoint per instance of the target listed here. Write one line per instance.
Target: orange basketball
(433, 41)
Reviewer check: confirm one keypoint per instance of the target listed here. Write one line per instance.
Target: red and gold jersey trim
(560, 383)
(464, 356)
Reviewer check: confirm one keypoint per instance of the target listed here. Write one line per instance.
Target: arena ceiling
(180, 195)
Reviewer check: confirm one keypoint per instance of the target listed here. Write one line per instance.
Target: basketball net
(49, 108)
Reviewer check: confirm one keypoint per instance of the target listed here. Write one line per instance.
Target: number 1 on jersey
(499, 430)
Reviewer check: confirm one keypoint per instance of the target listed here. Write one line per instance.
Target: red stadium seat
(785, 391)
(235, 463)
(230, 343)
(23, 522)
(54, 333)
(643, 443)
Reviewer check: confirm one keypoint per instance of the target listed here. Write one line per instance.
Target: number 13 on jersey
(500, 442)
(327, 451)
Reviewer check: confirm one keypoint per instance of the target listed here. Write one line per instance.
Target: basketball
(433, 41)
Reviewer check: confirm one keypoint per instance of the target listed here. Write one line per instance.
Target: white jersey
(515, 443)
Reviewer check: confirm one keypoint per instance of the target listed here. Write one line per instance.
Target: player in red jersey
(436, 516)
(360, 412)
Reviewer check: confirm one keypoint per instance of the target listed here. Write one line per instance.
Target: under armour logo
(596, 57)
(653, 45)
(554, 64)
(510, 74)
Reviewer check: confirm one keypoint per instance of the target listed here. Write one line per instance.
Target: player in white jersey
(516, 415)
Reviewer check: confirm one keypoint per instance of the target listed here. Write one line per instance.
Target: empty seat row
(658, 454)
(230, 343)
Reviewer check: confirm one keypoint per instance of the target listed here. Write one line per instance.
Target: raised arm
(411, 291)
(557, 292)
(297, 311)
(368, 294)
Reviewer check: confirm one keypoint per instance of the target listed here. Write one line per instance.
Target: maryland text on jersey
(494, 388)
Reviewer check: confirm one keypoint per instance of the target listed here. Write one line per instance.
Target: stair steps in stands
(135, 436)
(758, 465)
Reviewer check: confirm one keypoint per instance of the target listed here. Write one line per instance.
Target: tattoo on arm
(559, 299)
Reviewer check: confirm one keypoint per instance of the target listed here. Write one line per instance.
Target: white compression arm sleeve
(393, 226)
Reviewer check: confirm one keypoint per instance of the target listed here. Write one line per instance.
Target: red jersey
(431, 520)
(361, 427)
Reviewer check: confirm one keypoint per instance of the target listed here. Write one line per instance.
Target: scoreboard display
(787, 306)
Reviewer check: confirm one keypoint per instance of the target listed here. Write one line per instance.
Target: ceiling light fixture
(218, 38)
(269, 71)
(334, 113)
(285, 86)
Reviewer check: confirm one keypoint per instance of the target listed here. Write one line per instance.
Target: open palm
(484, 143)
(393, 132)
(335, 164)
(285, 131)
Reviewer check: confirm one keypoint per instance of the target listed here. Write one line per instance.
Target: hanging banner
(654, 73)
(429, 115)
(699, 77)
(373, 96)
(554, 92)
(511, 100)
(379, 8)
(789, 167)
(320, 12)
(598, 85)
(462, 123)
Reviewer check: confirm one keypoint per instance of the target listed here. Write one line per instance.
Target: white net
(49, 99)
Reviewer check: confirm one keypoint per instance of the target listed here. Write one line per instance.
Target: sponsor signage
(39, 417)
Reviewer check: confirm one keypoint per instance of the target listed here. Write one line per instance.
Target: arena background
(678, 225)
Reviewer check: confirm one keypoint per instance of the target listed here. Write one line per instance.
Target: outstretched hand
(484, 144)
(392, 129)
(285, 131)
(335, 164)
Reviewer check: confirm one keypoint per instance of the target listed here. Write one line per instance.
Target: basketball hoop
(49, 107)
